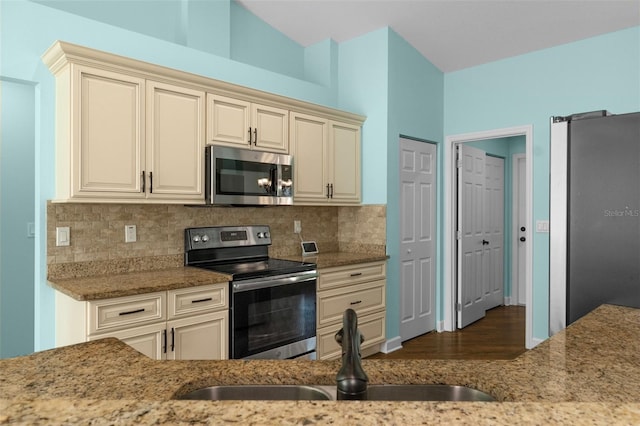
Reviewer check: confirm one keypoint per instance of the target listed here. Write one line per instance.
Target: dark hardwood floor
(499, 335)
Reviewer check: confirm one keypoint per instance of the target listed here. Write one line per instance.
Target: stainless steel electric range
(273, 301)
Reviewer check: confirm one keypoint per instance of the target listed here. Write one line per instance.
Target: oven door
(274, 318)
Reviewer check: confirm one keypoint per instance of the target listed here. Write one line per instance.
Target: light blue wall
(363, 80)
(597, 73)
(17, 172)
(416, 109)
(255, 42)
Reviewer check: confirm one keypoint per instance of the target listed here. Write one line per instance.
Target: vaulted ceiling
(451, 34)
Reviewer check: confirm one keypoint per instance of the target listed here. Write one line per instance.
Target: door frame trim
(449, 217)
(515, 158)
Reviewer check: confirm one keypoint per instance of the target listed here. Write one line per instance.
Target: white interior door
(493, 241)
(470, 235)
(518, 292)
(417, 237)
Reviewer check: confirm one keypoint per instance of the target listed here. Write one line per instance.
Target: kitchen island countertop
(588, 373)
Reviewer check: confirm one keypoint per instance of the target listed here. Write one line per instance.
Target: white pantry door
(470, 234)
(417, 237)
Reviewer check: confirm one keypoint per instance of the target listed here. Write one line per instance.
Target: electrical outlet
(63, 236)
(130, 234)
(297, 227)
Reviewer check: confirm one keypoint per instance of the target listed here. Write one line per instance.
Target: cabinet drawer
(352, 274)
(112, 314)
(372, 327)
(362, 298)
(196, 300)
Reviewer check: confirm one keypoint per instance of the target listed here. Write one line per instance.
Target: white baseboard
(391, 345)
(507, 301)
(440, 326)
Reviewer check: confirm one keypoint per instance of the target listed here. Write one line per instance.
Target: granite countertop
(117, 285)
(588, 373)
(127, 284)
(331, 259)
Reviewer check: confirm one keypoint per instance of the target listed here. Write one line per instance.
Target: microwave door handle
(275, 185)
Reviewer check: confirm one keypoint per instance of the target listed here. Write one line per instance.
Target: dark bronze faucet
(351, 379)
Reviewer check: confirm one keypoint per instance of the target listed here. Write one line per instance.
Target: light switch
(63, 236)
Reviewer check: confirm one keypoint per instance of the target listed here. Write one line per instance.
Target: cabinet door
(372, 328)
(344, 163)
(107, 134)
(175, 142)
(200, 337)
(148, 340)
(270, 127)
(228, 121)
(309, 140)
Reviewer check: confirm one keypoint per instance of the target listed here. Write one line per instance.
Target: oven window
(267, 318)
(237, 177)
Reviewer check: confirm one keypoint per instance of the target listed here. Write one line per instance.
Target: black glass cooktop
(267, 267)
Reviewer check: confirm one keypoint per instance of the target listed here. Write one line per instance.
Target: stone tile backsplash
(97, 233)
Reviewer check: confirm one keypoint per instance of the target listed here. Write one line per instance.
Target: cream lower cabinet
(327, 160)
(187, 323)
(359, 287)
(243, 124)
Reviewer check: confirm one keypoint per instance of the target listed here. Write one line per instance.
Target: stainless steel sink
(262, 392)
(327, 393)
(425, 393)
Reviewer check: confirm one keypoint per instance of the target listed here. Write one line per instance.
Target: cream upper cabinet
(344, 171)
(121, 138)
(175, 142)
(129, 131)
(309, 147)
(242, 124)
(326, 160)
(103, 128)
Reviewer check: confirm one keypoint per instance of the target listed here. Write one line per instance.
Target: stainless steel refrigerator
(594, 214)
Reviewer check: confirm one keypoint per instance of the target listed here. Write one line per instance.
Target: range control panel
(226, 236)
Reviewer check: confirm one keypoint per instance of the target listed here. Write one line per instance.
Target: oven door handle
(266, 282)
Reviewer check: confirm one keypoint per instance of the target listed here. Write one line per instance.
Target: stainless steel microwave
(235, 176)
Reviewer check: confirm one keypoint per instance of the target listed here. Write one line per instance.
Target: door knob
(485, 242)
(523, 239)
(408, 250)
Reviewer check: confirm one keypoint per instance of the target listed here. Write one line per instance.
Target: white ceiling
(451, 34)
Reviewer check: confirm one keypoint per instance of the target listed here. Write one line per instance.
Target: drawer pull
(208, 299)
(356, 302)
(356, 274)
(131, 312)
